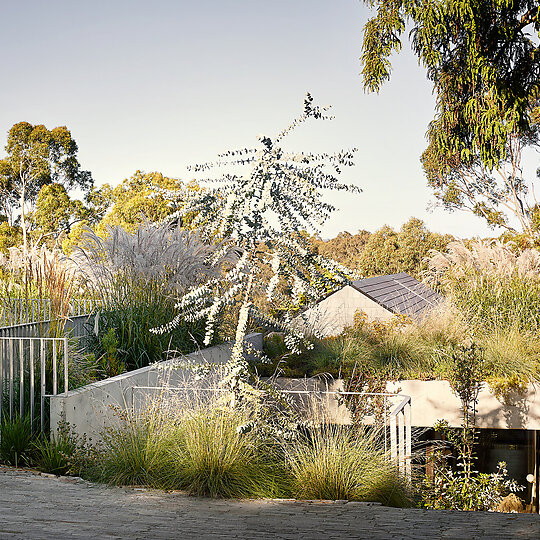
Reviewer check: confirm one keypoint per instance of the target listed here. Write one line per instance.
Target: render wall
(91, 408)
(434, 400)
(331, 315)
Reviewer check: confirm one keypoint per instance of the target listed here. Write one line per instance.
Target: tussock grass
(197, 442)
(210, 456)
(337, 462)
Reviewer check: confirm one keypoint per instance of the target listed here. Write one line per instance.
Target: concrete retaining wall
(434, 400)
(91, 408)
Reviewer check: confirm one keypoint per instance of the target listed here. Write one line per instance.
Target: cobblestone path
(33, 506)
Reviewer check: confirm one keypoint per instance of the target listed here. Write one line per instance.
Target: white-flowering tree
(265, 211)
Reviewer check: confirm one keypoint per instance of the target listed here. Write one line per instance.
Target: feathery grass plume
(494, 284)
(138, 278)
(44, 274)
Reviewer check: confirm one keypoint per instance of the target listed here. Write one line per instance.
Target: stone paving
(34, 506)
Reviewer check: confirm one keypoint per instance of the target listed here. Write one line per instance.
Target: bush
(449, 490)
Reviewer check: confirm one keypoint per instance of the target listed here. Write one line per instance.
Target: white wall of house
(331, 315)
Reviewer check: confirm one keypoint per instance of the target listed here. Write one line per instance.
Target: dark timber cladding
(399, 293)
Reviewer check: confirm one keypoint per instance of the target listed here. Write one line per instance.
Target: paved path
(34, 506)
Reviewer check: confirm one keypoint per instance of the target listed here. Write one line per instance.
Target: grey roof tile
(399, 293)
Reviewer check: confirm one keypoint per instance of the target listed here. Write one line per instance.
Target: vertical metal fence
(31, 368)
(17, 311)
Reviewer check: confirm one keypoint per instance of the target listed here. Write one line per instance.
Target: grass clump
(133, 454)
(211, 455)
(337, 462)
(16, 441)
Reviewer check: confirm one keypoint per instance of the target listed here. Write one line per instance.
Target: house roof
(399, 293)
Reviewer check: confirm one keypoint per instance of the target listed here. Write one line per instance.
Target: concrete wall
(332, 314)
(91, 408)
(434, 400)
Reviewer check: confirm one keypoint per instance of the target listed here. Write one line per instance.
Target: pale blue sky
(158, 85)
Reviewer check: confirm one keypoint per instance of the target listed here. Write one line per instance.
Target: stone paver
(34, 506)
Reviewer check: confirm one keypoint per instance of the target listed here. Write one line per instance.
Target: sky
(161, 85)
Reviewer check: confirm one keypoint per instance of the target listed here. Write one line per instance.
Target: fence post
(2, 348)
(66, 367)
(401, 441)
(42, 389)
(32, 384)
(21, 378)
(393, 438)
(408, 438)
(11, 359)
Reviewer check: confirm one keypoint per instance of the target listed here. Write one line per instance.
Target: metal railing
(24, 363)
(401, 435)
(17, 311)
(76, 326)
(397, 423)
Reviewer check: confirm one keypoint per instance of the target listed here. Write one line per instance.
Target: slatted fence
(31, 368)
(17, 311)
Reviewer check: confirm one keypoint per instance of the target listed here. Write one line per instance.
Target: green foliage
(345, 248)
(53, 455)
(37, 157)
(144, 197)
(16, 441)
(132, 454)
(55, 213)
(137, 279)
(495, 285)
(10, 236)
(132, 309)
(109, 362)
(212, 456)
(336, 462)
(204, 444)
(483, 61)
(450, 490)
(388, 252)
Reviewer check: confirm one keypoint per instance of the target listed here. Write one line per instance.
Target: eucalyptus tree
(263, 202)
(36, 157)
(483, 58)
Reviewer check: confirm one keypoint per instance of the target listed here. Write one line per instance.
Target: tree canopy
(485, 67)
(391, 252)
(142, 197)
(37, 157)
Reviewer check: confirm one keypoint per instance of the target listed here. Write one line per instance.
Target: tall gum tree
(483, 58)
(36, 157)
